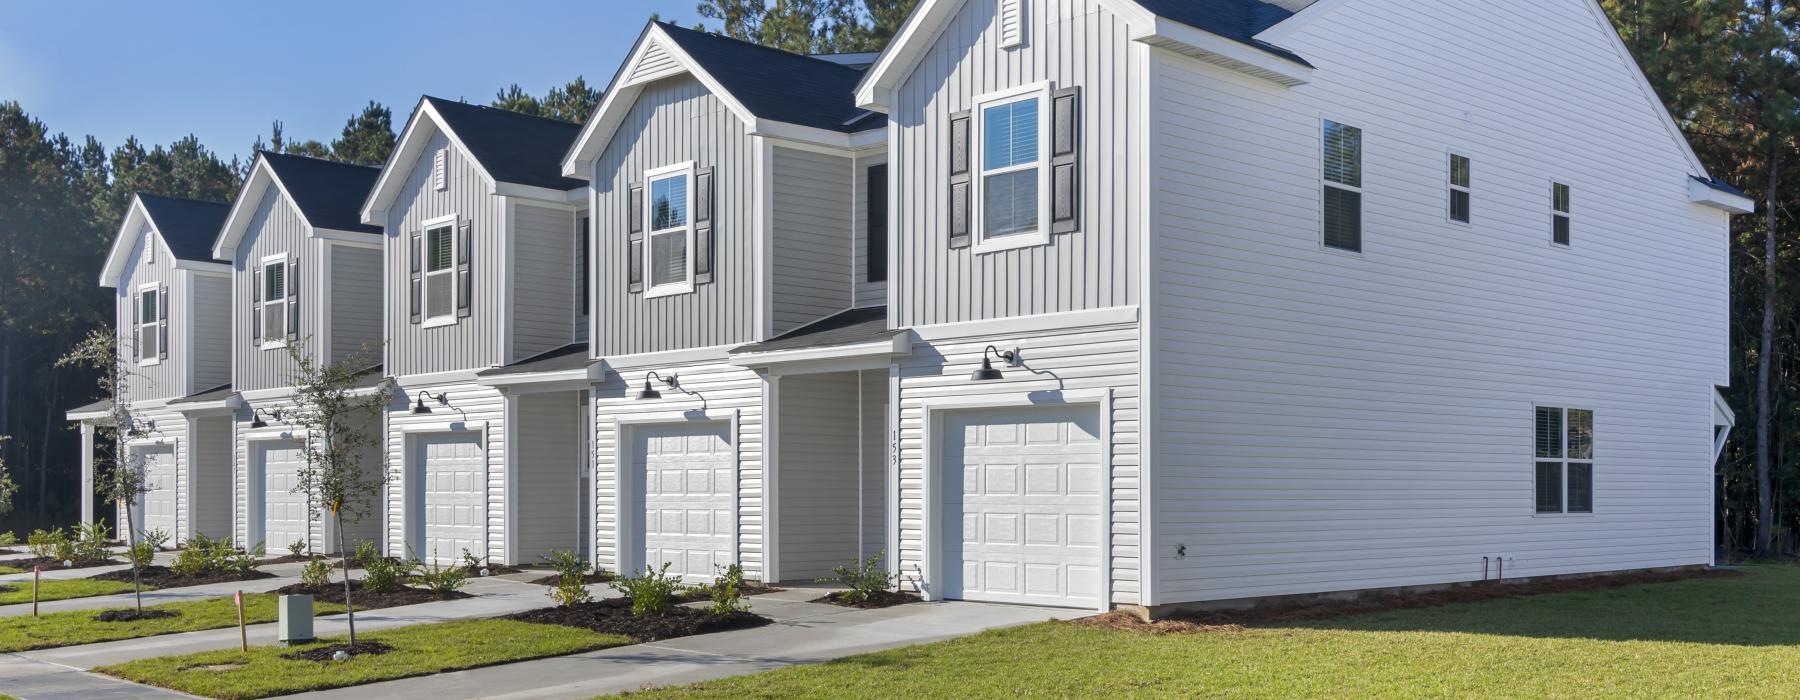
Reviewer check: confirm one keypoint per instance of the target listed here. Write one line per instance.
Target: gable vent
(1012, 23)
(439, 178)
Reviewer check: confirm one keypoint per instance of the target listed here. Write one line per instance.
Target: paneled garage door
(1022, 506)
(688, 490)
(284, 517)
(453, 496)
(158, 504)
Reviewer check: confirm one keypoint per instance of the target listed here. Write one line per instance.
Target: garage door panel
(160, 499)
(285, 516)
(1023, 525)
(453, 471)
(688, 496)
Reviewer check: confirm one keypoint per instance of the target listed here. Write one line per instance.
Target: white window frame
(1362, 242)
(1563, 459)
(149, 325)
(1452, 188)
(686, 286)
(1559, 214)
(280, 341)
(449, 318)
(1039, 91)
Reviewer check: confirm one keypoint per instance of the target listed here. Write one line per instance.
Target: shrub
(203, 555)
(473, 563)
(571, 578)
(440, 579)
(142, 554)
(156, 537)
(297, 549)
(728, 591)
(89, 543)
(652, 593)
(316, 574)
(381, 574)
(44, 545)
(65, 551)
(8, 539)
(864, 579)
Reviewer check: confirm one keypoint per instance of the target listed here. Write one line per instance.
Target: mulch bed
(161, 577)
(366, 600)
(324, 653)
(880, 599)
(1275, 614)
(590, 577)
(53, 564)
(291, 559)
(613, 616)
(749, 588)
(129, 615)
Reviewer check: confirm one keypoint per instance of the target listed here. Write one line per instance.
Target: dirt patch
(213, 668)
(291, 559)
(129, 615)
(366, 600)
(591, 577)
(613, 616)
(161, 577)
(53, 564)
(879, 599)
(324, 653)
(1268, 615)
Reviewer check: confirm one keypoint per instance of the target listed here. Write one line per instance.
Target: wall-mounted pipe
(1484, 568)
(1501, 568)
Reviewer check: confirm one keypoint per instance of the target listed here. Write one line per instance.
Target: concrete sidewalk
(803, 633)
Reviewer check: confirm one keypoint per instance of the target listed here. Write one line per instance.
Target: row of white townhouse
(1088, 303)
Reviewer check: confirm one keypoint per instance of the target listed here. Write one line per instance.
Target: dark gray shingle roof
(1237, 20)
(774, 84)
(567, 357)
(843, 328)
(188, 226)
(214, 394)
(512, 147)
(328, 193)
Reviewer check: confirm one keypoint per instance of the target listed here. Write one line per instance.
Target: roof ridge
(754, 45)
(499, 110)
(316, 159)
(152, 195)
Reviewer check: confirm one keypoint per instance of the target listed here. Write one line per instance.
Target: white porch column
(87, 472)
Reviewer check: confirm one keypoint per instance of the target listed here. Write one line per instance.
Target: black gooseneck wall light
(419, 408)
(649, 392)
(987, 373)
(256, 417)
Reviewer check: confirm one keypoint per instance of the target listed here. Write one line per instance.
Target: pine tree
(368, 137)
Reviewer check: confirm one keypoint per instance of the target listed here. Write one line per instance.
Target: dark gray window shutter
(137, 322)
(1065, 160)
(465, 282)
(293, 298)
(959, 180)
(417, 280)
(703, 225)
(162, 322)
(583, 250)
(876, 240)
(256, 290)
(634, 237)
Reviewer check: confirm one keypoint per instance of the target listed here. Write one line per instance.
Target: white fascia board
(237, 222)
(537, 382)
(670, 358)
(1218, 50)
(897, 346)
(1037, 323)
(353, 239)
(1706, 195)
(799, 135)
(230, 403)
(621, 96)
(903, 53)
(78, 416)
(562, 198)
(124, 242)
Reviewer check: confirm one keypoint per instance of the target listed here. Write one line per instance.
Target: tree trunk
(137, 585)
(51, 399)
(1765, 361)
(349, 608)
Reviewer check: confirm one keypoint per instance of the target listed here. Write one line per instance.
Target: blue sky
(225, 70)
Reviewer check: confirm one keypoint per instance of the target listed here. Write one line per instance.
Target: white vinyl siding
(209, 325)
(355, 306)
(162, 380)
(275, 233)
(544, 289)
(478, 410)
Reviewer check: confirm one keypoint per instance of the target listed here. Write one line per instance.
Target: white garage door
(284, 517)
(453, 496)
(688, 491)
(157, 511)
(1022, 506)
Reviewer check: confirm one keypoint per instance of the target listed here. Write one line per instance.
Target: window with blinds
(1564, 460)
(1343, 183)
(440, 271)
(670, 230)
(274, 301)
(1559, 213)
(1460, 191)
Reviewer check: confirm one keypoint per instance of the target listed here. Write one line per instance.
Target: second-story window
(151, 312)
(670, 234)
(440, 271)
(274, 300)
(1343, 182)
(1010, 174)
(1559, 213)
(1459, 188)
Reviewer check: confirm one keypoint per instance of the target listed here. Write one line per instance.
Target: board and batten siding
(673, 121)
(474, 409)
(474, 342)
(167, 379)
(1070, 43)
(543, 289)
(208, 312)
(867, 293)
(812, 237)
(1332, 421)
(823, 482)
(547, 452)
(355, 301)
(1074, 359)
(209, 452)
(275, 228)
(718, 389)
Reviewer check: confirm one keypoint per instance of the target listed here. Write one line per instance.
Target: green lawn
(417, 650)
(79, 626)
(61, 589)
(4, 569)
(1707, 637)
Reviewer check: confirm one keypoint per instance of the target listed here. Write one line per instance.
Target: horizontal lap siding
(543, 288)
(473, 342)
(1334, 422)
(812, 237)
(817, 474)
(480, 407)
(170, 430)
(274, 229)
(210, 452)
(674, 121)
(1069, 360)
(356, 288)
(1069, 42)
(717, 388)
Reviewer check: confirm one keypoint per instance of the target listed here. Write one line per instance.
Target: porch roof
(573, 356)
(864, 325)
(97, 409)
(217, 393)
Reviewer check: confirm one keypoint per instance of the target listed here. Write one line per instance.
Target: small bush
(156, 538)
(65, 551)
(44, 545)
(142, 554)
(381, 574)
(728, 591)
(203, 555)
(652, 593)
(316, 574)
(89, 543)
(297, 549)
(8, 539)
(472, 562)
(864, 579)
(440, 579)
(571, 574)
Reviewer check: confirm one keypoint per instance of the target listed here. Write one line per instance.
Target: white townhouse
(171, 300)
(306, 276)
(486, 325)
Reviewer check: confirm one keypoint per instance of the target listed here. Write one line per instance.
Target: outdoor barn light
(650, 392)
(419, 408)
(987, 371)
(256, 415)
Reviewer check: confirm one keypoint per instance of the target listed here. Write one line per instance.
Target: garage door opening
(1021, 506)
(278, 516)
(156, 508)
(447, 497)
(684, 497)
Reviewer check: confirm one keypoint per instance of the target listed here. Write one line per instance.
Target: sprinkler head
(340, 655)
